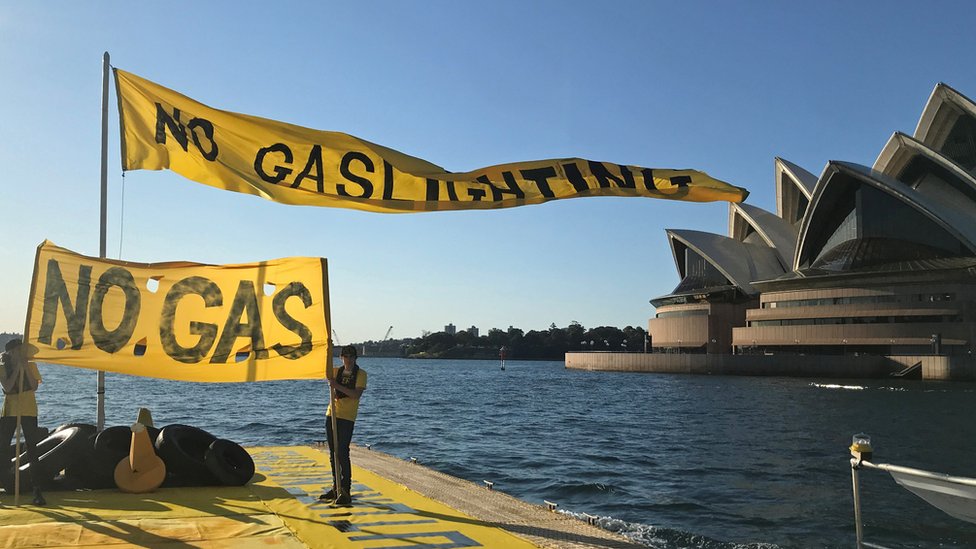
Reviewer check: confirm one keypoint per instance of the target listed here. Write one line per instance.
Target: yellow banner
(163, 129)
(181, 320)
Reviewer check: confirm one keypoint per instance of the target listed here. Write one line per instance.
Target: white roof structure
(746, 220)
(915, 210)
(943, 109)
(794, 187)
(954, 218)
(739, 262)
(939, 175)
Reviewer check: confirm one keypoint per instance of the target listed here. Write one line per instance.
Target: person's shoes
(328, 496)
(343, 499)
(38, 497)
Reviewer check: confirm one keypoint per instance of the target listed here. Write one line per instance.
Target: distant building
(474, 331)
(876, 260)
(450, 329)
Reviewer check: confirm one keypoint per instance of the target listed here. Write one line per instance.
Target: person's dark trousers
(344, 428)
(8, 427)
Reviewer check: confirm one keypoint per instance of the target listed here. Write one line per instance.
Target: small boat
(955, 496)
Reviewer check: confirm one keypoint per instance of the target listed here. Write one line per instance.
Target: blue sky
(721, 87)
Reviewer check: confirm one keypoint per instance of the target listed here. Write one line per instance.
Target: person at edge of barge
(348, 386)
(19, 378)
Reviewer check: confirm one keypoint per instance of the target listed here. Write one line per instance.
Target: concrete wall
(854, 334)
(941, 368)
(910, 300)
(720, 364)
(944, 368)
(685, 331)
(713, 331)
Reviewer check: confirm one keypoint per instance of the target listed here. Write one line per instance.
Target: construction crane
(379, 346)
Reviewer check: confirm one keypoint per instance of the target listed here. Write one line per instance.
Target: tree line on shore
(551, 344)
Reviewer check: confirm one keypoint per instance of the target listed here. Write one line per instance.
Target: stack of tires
(194, 457)
(56, 451)
(88, 457)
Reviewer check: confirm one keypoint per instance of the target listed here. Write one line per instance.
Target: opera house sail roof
(874, 247)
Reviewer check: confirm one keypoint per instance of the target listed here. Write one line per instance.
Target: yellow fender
(142, 471)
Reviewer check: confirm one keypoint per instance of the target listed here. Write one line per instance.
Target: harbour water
(669, 460)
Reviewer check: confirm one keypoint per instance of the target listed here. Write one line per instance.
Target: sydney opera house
(862, 272)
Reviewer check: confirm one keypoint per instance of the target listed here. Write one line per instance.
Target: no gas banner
(181, 320)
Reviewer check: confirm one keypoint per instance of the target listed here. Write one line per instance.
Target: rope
(122, 215)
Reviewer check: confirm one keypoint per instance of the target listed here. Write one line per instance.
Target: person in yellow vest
(348, 386)
(19, 378)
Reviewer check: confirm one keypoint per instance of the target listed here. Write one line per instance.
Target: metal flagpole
(100, 421)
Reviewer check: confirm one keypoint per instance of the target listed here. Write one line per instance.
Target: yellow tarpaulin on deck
(279, 508)
(163, 129)
(181, 320)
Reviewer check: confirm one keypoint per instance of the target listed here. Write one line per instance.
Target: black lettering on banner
(178, 130)
(676, 181)
(434, 191)
(541, 176)
(164, 120)
(314, 161)
(280, 172)
(576, 179)
(648, 175)
(607, 179)
(55, 292)
(366, 184)
(293, 352)
(387, 181)
(112, 341)
(245, 301)
(475, 193)
(192, 285)
(511, 187)
(208, 132)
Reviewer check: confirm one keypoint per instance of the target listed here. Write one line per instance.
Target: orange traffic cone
(142, 471)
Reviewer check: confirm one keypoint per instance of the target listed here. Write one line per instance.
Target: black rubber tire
(54, 454)
(89, 470)
(108, 447)
(76, 472)
(229, 462)
(96, 466)
(87, 428)
(183, 448)
(41, 434)
(118, 439)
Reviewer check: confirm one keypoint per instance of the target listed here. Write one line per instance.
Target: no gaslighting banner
(163, 129)
(181, 320)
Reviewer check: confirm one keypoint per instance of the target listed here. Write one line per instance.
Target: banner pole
(102, 242)
(26, 342)
(18, 431)
(329, 373)
(337, 477)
